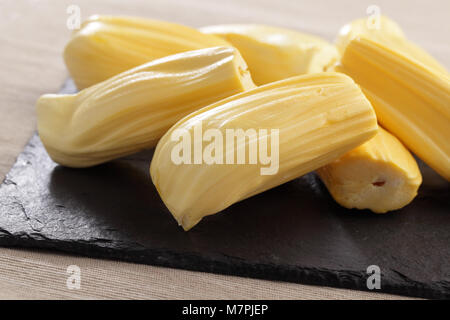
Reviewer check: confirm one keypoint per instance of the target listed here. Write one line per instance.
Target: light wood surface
(32, 37)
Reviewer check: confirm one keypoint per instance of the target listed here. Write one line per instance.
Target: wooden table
(32, 37)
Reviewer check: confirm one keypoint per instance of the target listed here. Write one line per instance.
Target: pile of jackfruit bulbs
(349, 111)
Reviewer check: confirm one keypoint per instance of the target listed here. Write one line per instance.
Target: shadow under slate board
(295, 232)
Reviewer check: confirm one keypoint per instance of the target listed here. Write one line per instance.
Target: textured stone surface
(292, 233)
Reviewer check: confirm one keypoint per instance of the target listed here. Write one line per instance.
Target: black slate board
(291, 233)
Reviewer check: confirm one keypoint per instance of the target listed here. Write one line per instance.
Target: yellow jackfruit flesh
(380, 175)
(107, 45)
(318, 118)
(276, 53)
(410, 97)
(383, 30)
(132, 110)
(376, 26)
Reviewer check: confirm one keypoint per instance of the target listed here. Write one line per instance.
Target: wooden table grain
(32, 37)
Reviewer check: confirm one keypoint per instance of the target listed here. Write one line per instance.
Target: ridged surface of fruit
(380, 175)
(276, 53)
(412, 100)
(319, 117)
(132, 110)
(107, 45)
(376, 26)
(388, 32)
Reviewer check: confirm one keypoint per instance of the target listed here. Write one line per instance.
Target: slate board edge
(234, 267)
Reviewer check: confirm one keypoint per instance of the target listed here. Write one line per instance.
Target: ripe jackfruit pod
(312, 120)
(373, 26)
(411, 99)
(380, 175)
(107, 45)
(385, 31)
(132, 110)
(275, 53)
